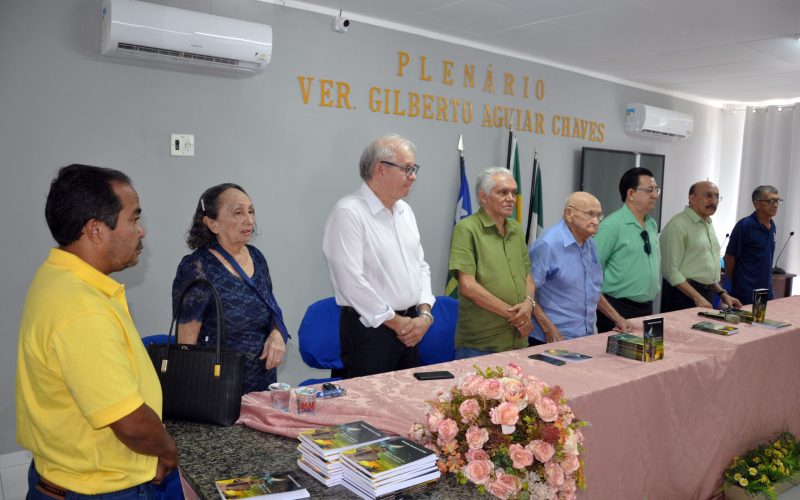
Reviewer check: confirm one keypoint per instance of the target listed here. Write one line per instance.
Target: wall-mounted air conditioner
(651, 121)
(157, 33)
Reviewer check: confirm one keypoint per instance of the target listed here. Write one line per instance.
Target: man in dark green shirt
(489, 259)
(627, 247)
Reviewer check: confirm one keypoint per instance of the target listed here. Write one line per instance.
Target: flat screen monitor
(601, 170)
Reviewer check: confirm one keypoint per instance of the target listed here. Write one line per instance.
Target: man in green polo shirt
(627, 246)
(489, 259)
(690, 254)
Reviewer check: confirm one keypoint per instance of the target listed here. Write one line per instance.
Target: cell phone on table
(433, 375)
(547, 359)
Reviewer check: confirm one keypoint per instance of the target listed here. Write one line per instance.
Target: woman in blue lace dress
(223, 224)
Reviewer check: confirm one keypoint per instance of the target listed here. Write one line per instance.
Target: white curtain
(771, 155)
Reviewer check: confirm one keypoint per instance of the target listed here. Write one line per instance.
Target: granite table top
(210, 452)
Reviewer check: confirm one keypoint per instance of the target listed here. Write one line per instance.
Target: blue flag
(463, 209)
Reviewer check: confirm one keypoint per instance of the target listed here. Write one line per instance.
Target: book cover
(333, 439)
(387, 457)
(718, 328)
(568, 356)
(771, 323)
(653, 339)
(626, 345)
(272, 486)
(760, 296)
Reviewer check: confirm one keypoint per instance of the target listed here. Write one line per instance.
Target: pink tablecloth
(662, 430)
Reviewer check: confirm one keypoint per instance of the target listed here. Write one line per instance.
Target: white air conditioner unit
(651, 121)
(156, 33)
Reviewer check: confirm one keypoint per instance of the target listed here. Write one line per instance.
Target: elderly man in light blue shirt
(568, 275)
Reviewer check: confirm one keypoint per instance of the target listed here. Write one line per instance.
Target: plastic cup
(280, 396)
(306, 400)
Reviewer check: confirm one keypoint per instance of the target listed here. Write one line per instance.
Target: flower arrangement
(508, 433)
(759, 470)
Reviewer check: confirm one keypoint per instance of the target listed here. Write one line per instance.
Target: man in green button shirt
(627, 247)
(690, 254)
(489, 259)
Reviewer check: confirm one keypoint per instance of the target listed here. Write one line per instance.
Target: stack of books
(388, 468)
(648, 348)
(320, 448)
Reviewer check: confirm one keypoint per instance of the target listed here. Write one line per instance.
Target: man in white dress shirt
(378, 269)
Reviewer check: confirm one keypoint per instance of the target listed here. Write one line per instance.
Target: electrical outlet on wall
(181, 145)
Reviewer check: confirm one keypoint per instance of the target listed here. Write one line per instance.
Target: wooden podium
(782, 285)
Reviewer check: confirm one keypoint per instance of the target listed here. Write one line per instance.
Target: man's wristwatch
(721, 292)
(427, 315)
(533, 301)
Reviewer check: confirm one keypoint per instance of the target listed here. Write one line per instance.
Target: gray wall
(60, 102)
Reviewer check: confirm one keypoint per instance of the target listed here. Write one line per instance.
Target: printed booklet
(568, 356)
(269, 486)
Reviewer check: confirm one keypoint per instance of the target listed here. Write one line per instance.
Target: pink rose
(504, 414)
(490, 389)
(578, 436)
(514, 370)
(469, 410)
(534, 388)
(521, 457)
(570, 464)
(478, 471)
(476, 455)
(554, 474)
(514, 392)
(470, 385)
(542, 450)
(568, 489)
(447, 430)
(476, 437)
(434, 417)
(547, 409)
(505, 486)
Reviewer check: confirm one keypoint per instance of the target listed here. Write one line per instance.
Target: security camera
(341, 24)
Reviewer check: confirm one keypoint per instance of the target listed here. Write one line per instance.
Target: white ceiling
(719, 51)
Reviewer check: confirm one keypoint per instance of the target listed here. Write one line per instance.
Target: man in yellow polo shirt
(88, 398)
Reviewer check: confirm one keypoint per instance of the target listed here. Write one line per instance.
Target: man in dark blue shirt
(748, 258)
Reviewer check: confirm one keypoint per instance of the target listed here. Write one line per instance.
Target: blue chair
(160, 338)
(439, 344)
(319, 339)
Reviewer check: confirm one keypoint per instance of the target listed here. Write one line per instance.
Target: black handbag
(199, 383)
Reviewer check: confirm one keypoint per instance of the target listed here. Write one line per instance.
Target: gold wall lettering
(435, 106)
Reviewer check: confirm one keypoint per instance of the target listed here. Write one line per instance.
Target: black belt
(700, 286)
(411, 311)
(630, 302)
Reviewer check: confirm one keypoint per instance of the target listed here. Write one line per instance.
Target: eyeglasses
(646, 239)
(650, 191)
(590, 215)
(772, 203)
(409, 170)
(710, 196)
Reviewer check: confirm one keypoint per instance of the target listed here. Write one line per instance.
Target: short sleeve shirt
(629, 272)
(81, 366)
(753, 246)
(501, 265)
(568, 278)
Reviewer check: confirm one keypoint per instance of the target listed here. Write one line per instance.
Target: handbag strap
(220, 322)
(268, 299)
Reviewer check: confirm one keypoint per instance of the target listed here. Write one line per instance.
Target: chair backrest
(439, 343)
(159, 338)
(319, 335)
